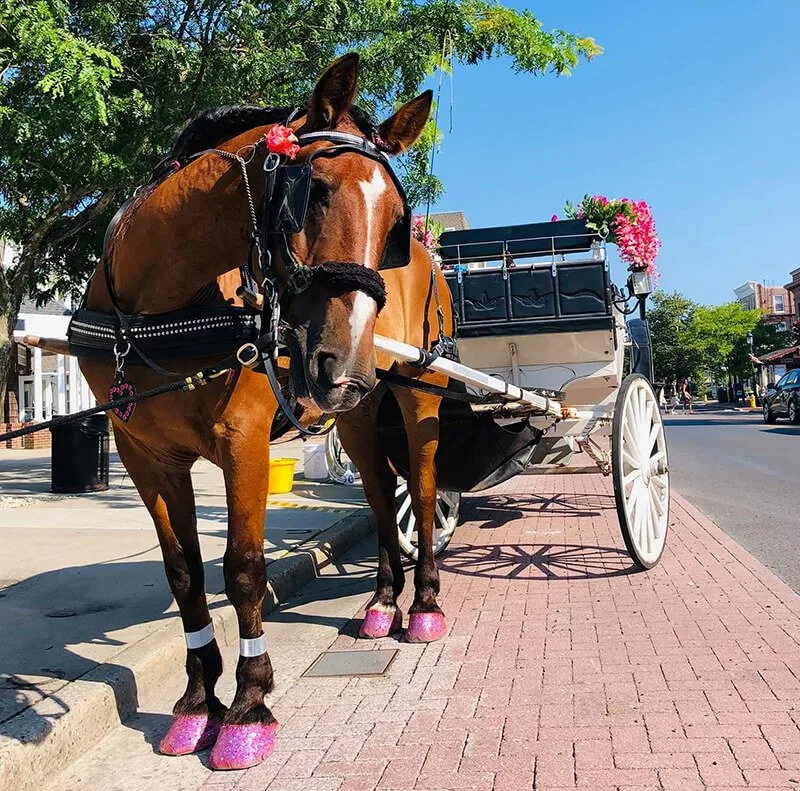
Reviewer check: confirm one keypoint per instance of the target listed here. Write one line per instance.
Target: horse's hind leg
(426, 621)
(248, 731)
(166, 490)
(359, 434)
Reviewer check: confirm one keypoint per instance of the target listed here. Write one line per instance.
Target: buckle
(248, 355)
(300, 279)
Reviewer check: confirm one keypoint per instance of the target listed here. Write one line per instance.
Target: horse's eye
(320, 193)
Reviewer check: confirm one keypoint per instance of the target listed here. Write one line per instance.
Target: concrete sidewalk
(87, 618)
(562, 669)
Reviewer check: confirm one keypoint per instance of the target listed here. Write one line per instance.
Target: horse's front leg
(166, 490)
(247, 736)
(426, 621)
(358, 431)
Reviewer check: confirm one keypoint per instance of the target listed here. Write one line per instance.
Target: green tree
(673, 357)
(92, 91)
(713, 333)
(766, 338)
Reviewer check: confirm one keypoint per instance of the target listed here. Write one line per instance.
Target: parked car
(783, 398)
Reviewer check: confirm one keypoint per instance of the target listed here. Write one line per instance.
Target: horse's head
(355, 212)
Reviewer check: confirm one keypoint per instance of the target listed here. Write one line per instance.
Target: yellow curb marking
(306, 507)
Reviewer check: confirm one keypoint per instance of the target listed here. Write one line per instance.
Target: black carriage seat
(541, 277)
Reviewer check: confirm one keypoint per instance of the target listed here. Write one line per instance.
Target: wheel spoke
(657, 513)
(632, 410)
(638, 518)
(652, 438)
(412, 521)
(401, 511)
(631, 476)
(630, 460)
(659, 503)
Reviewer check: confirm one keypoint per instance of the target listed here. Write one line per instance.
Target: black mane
(213, 126)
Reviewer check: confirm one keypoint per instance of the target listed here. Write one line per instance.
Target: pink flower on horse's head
(554, 218)
(282, 140)
(601, 199)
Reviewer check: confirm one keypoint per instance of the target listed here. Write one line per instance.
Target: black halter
(283, 213)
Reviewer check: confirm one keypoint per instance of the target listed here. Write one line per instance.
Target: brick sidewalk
(561, 669)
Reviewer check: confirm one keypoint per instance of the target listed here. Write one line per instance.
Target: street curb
(59, 729)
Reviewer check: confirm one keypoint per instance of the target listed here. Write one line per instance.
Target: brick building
(794, 290)
(777, 302)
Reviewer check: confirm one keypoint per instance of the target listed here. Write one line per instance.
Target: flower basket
(627, 224)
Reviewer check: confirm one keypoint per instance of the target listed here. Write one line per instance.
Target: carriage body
(535, 308)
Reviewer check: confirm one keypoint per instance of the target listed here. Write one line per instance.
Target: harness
(201, 330)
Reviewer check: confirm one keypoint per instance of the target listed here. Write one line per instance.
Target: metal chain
(243, 163)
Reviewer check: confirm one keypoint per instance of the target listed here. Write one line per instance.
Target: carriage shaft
(469, 376)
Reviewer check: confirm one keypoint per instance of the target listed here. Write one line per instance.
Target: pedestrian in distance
(662, 399)
(686, 396)
(672, 396)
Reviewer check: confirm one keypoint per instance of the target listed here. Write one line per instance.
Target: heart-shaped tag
(122, 390)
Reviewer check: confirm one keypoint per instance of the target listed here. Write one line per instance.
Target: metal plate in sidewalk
(351, 663)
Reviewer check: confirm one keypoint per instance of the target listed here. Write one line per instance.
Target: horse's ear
(334, 93)
(400, 132)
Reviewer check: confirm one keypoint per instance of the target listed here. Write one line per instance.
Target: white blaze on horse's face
(363, 311)
(372, 191)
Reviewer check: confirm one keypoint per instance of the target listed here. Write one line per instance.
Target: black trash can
(79, 456)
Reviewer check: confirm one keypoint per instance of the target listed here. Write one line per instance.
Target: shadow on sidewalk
(498, 509)
(56, 625)
(540, 562)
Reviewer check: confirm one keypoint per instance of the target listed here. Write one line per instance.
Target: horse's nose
(330, 370)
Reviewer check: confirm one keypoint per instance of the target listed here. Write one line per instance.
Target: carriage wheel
(640, 472)
(448, 505)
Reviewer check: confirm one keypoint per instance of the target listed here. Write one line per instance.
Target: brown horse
(180, 244)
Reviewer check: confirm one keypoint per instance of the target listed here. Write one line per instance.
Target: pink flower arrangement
(428, 236)
(626, 223)
(636, 237)
(282, 140)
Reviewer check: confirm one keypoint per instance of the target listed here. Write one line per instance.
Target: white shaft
(470, 376)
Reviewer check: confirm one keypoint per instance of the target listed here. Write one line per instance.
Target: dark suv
(783, 399)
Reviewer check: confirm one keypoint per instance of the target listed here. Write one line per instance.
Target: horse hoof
(189, 733)
(379, 623)
(425, 627)
(243, 746)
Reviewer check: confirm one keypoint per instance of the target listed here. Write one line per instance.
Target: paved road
(745, 476)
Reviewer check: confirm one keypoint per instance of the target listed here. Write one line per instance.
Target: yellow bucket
(281, 475)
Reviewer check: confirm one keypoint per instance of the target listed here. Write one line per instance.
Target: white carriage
(543, 331)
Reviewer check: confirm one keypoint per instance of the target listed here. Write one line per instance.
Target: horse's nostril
(328, 368)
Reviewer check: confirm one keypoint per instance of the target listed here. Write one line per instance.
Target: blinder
(286, 212)
(290, 199)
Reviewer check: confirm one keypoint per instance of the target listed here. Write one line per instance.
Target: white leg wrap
(200, 638)
(253, 647)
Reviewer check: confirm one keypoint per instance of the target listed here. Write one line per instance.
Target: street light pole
(752, 364)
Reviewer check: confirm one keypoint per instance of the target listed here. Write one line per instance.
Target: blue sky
(694, 107)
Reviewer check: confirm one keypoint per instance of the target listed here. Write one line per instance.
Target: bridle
(282, 213)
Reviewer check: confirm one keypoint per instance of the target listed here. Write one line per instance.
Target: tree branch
(87, 216)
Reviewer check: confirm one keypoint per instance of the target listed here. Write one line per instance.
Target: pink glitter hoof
(243, 746)
(189, 733)
(378, 623)
(425, 627)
